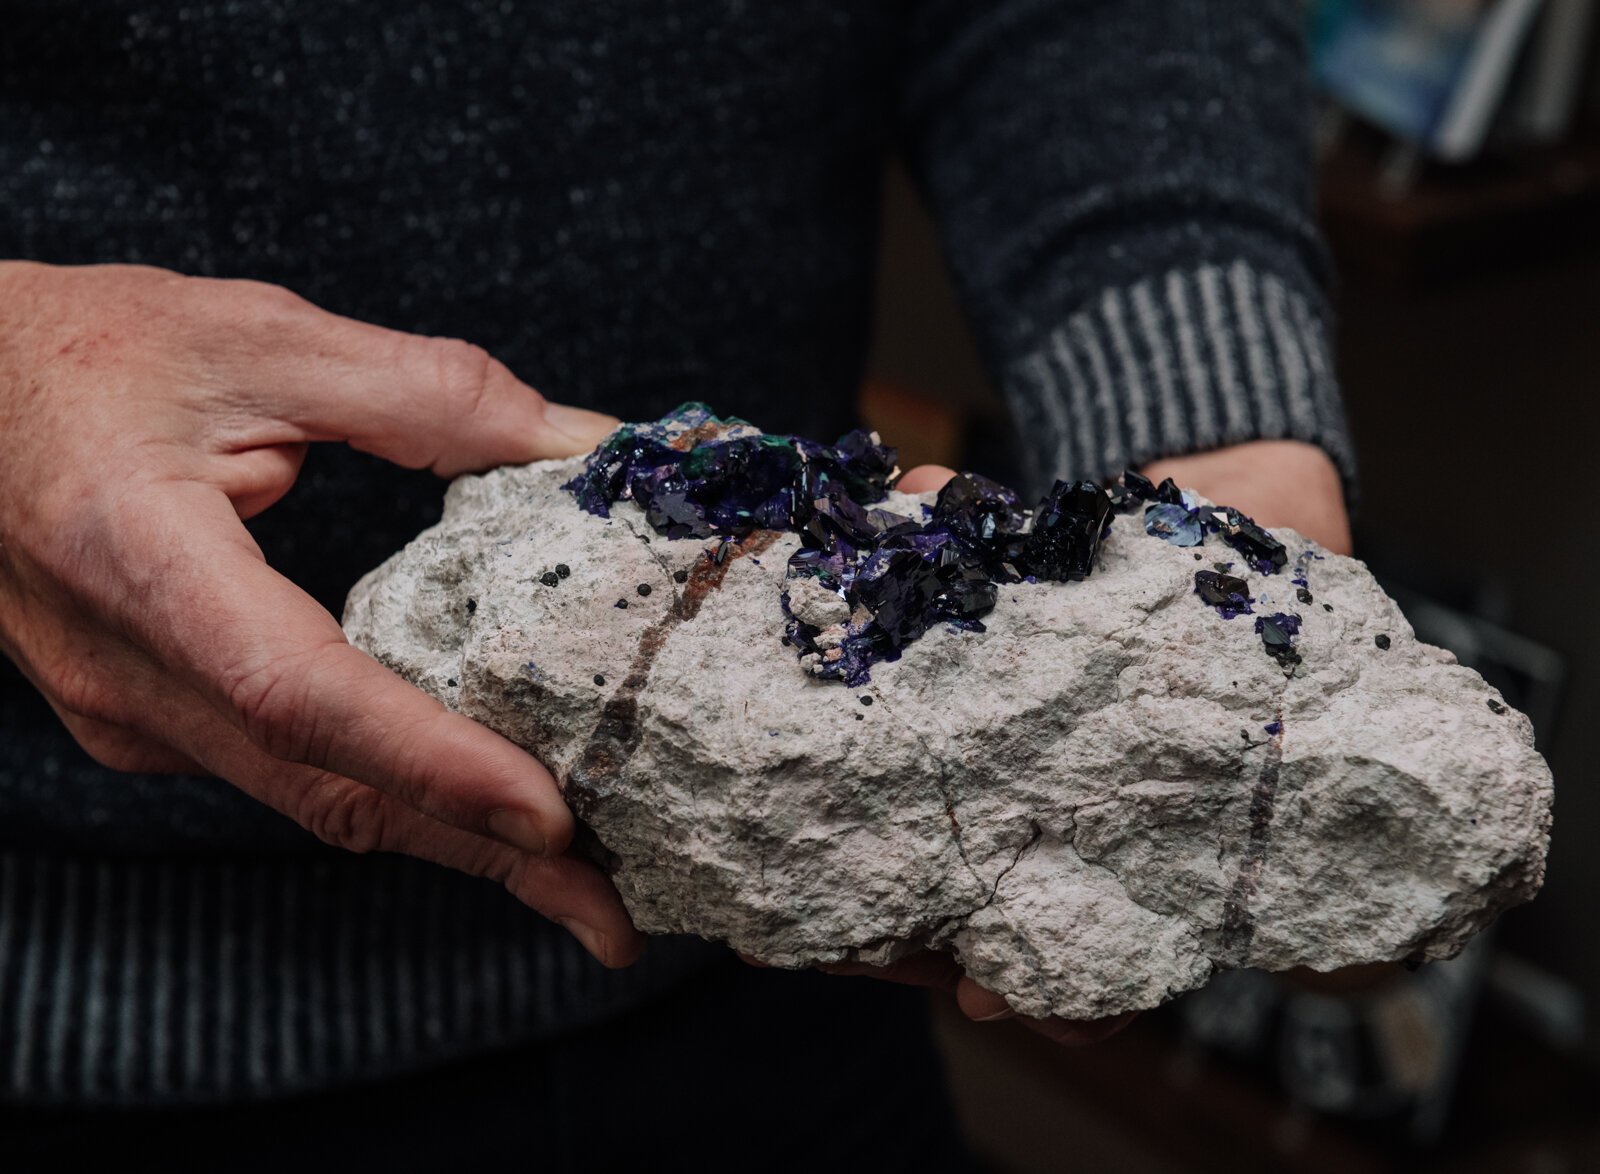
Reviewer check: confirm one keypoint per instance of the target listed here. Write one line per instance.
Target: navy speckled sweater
(632, 204)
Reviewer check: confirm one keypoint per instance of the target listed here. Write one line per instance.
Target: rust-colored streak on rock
(616, 735)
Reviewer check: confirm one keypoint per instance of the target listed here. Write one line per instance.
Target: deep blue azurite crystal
(1067, 529)
(1228, 594)
(909, 575)
(1264, 552)
(697, 476)
(1277, 633)
(1139, 486)
(1177, 524)
(1168, 493)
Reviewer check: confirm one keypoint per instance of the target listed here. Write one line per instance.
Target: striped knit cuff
(1195, 360)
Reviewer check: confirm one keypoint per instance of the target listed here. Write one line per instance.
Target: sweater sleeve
(1125, 189)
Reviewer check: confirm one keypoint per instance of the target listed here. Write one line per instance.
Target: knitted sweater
(632, 204)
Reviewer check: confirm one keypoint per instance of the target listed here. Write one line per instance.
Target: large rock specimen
(1097, 801)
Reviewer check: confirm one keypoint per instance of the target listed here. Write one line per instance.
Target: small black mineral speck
(599, 680)
(1198, 557)
(1496, 706)
(451, 682)
(866, 700)
(549, 578)
(643, 589)
(563, 570)
(680, 576)
(861, 717)
(472, 606)
(1381, 641)
(1303, 595)
(1327, 607)
(622, 603)
(1245, 734)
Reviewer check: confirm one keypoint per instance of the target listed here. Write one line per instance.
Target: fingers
(421, 402)
(103, 688)
(277, 665)
(924, 479)
(984, 1006)
(255, 480)
(358, 818)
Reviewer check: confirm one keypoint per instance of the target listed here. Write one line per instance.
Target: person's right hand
(142, 416)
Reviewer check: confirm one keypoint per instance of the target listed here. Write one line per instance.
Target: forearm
(1125, 190)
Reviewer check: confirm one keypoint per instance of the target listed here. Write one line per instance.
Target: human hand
(143, 415)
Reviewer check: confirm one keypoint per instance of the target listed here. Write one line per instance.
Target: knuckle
(81, 689)
(265, 298)
(272, 702)
(344, 814)
(232, 320)
(464, 374)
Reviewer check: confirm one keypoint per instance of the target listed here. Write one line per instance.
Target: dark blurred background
(1460, 193)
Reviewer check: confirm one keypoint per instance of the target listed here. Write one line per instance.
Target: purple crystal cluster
(1180, 519)
(1175, 516)
(901, 576)
(697, 476)
(894, 576)
(868, 581)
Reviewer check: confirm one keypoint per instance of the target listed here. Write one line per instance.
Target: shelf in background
(1459, 223)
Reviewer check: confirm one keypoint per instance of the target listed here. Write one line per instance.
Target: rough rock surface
(1083, 802)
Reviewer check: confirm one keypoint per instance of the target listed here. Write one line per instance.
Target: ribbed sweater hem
(136, 982)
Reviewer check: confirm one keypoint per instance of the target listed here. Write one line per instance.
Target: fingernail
(588, 937)
(519, 829)
(584, 428)
(1006, 1013)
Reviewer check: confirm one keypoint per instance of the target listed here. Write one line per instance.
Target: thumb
(924, 479)
(437, 403)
